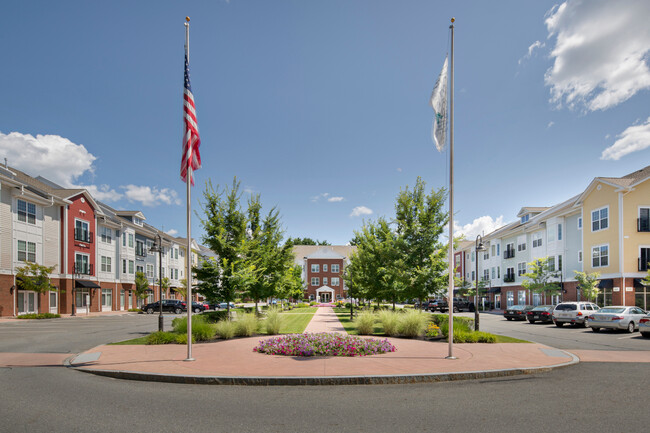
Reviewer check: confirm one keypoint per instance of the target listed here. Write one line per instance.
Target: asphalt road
(588, 396)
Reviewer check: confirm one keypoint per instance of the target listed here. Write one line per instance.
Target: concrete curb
(323, 380)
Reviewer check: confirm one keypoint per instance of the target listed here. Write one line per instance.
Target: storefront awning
(638, 282)
(495, 290)
(606, 284)
(86, 284)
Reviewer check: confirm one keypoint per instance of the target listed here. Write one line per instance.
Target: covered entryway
(82, 294)
(27, 302)
(324, 294)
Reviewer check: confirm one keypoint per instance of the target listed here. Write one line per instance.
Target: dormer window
(137, 221)
(525, 218)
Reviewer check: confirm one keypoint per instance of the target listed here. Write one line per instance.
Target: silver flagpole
(188, 178)
(450, 295)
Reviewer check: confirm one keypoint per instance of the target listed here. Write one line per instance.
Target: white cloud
(361, 210)
(149, 196)
(551, 123)
(335, 199)
(600, 53)
(172, 232)
(634, 138)
(55, 158)
(399, 169)
(481, 225)
(535, 45)
(326, 196)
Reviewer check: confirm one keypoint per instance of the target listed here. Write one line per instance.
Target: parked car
(574, 313)
(517, 312)
(617, 317)
(198, 307)
(224, 305)
(644, 326)
(541, 313)
(459, 305)
(169, 305)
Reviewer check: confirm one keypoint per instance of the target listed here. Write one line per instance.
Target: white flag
(439, 105)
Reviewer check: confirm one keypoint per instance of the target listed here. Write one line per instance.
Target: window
(550, 233)
(494, 247)
(324, 281)
(176, 273)
(579, 223)
(473, 258)
(498, 272)
(486, 274)
(644, 258)
(139, 248)
(486, 255)
(124, 266)
(139, 268)
(149, 271)
(123, 239)
(315, 281)
(579, 256)
(107, 298)
(498, 249)
(559, 232)
(131, 266)
(106, 235)
(335, 281)
(551, 264)
(537, 239)
(175, 253)
(559, 262)
(130, 240)
(643, 224)
(335, 269)
(510, 298)
(325, 269)
(81, 232)
(26, 212)
(106, 264)
(82, 264)
(510, 251)
(522, 246)
(472, 275)
(600, 219)
(493, 274)
(600, 256)
(137, 221)
(509, 276)
(525, 218)
(315, 268)
(26, 251)
(521, 297)
(521, 268)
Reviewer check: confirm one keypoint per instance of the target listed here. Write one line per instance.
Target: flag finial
(453, 20)
(187, 19)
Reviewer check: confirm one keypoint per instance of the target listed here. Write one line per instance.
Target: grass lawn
(504, 339)
(302, 310)
(139, 340)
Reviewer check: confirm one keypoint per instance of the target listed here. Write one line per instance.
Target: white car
(617, 317)
(644, 326)
(574, 313)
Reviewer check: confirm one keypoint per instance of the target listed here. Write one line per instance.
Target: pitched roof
(324, 251)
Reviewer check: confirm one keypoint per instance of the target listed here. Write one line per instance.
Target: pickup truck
(459, 305)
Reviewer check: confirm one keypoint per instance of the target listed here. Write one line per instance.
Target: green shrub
(225, 329)
(312, 303)
(215, 316)
(39, 316)
(246, 325)
(273, 321)
(159, 337)
(134, 310)
(365, 323)
(303, 305)
(413, 323)
(201, 329)
(390, 321)
(182, 338)
(439, 319)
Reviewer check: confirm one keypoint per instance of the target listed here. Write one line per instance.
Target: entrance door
(27, 302)
(107, 299)
(122, 299)
(325, 297)
(54, 302)
(82, 300)
(497, 302)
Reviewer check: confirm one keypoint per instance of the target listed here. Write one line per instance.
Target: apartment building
(613, 241)
(322, 270)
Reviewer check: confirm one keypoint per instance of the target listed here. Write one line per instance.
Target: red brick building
(322, 270)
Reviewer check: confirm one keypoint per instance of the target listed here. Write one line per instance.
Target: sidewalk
(79, 315)
(234, 362)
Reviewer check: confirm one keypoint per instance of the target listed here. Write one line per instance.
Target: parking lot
(567, 337)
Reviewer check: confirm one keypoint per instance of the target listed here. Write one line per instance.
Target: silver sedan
(617, 317)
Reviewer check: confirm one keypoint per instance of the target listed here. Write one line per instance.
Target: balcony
(82, 235)
(83, 269)
(508, 254)
(509, 278)
(643, 224)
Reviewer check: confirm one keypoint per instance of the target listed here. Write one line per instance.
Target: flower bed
(323, 344)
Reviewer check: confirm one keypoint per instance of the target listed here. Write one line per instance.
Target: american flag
(191, 139)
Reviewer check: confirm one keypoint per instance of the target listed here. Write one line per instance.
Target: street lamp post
(74, 289)
(479, 248)
(157, 248)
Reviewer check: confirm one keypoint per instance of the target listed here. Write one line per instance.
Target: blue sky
(322, 107)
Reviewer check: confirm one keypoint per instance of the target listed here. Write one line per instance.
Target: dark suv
(459, 305)
(169, 305)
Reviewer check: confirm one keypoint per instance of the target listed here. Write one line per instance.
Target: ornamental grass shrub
(225, 329)
(439, 319)
(390, 321)
(39, 316)
(215, 316)
(161, 337)
(201, 329)
(365, 322)
(246, 325)
(413, 323)
(273, 321)
(182, 338)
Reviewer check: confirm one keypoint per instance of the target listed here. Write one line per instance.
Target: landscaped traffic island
(323, 344)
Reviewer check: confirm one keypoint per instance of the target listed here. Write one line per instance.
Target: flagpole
(188, 181)
(450, 295)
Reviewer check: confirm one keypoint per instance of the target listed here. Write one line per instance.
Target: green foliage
(34, 277)
(273, 321)
(413, 323)
(182, 338)
(201, 329)
(246, 325)
(390, 321)
(141, 285)
(539, 276)
(161, 337)
(442, 320)
(134, 310)
(305, 241)
(215, 316)
(225, 329)
(587, 284)
(39, 316)
(365, 323)
(461, 336)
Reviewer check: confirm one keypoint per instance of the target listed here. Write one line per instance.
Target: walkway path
(325, 320)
